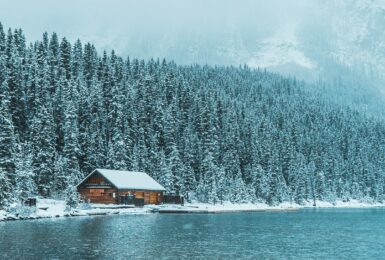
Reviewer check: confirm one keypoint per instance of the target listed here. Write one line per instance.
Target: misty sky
(125, 24)
(277, 34)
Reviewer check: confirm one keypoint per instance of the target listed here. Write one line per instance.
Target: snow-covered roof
(126, 180)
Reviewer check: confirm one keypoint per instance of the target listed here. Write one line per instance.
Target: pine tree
(118, 149)
(65, 58)
(258, 182)
(209, 173)
(165, 174)
(60, 180)
(43, 149)
(7, 136)
(15, 90)
(25, 185)
(320, 186)
(176, 166)
(222, 189)
(71, 132)
(2, 40)
(188, 182)
(53, 62)
(5, 191)
(72, 197)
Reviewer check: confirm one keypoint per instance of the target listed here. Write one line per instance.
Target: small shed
(109, 186)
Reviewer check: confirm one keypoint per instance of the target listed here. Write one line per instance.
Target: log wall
(150, 197)
(104, 196)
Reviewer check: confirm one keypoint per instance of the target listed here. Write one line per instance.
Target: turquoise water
(306, 234)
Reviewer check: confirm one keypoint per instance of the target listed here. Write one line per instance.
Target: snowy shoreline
(48, 208)
(261, 207)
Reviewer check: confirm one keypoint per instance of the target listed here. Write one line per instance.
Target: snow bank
(46, 208)
(222, 208)
(286, 206)
(343, 204)
(49, 208)
(2, 215)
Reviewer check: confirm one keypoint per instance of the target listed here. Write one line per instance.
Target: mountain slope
(209, 133)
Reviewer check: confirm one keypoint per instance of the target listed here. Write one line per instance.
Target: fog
(137, 27)
(287, 36)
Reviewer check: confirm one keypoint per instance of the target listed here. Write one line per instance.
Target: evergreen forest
(210, 133)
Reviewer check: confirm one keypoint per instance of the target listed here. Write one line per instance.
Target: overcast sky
(119, 24)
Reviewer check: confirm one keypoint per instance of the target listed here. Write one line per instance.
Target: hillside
(210, 133)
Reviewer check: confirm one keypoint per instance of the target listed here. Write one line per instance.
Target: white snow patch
(49, 208)
(286, 206)
(344, 204)
(2, 215)
(281, 48)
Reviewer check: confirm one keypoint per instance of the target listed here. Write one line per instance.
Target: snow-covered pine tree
(7, 136)
(166, 177)
(43, 150)
(72, 197)
(15, 84)
(71, 132)
(25, 184)
(118, 154)
(60, 179)
(209, 173)
(5, 191)
(65, 59)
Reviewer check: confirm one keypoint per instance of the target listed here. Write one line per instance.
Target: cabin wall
(150, 197)
(97, 189)
(98, 195)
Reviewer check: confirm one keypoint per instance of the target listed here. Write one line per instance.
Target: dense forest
(210, 133)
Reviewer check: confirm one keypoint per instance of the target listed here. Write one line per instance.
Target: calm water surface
(306, 234)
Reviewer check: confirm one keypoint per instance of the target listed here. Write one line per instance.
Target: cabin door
(146, 197)
(153, 198)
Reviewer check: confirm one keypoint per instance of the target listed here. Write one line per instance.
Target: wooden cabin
(109, 186)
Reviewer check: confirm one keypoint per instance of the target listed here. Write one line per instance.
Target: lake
(306, 234)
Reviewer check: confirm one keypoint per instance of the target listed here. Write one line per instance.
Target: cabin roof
(127, 180)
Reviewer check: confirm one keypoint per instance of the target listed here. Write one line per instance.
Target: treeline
(209, 133)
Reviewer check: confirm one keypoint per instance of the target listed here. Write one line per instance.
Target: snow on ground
(344, 204)
(49, 208)
(286, 206)
(222, 208)
(2, 215)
